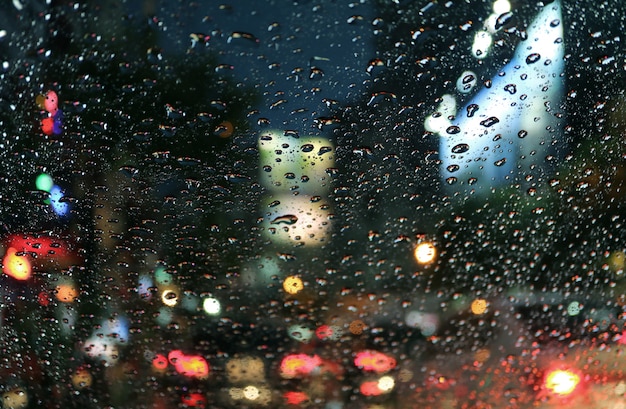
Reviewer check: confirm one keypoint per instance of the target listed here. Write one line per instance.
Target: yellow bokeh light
(251, 392)
(15, 399)
(293, 285)
(425, 253)
(479, 306)
(169, 298)
(82, 379)
(562, 382)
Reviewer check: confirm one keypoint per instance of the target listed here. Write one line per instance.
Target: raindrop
(503, 19)
(285, 219)
(375, 64)
(451, 180)
(267, 168)
(555, 23)
(522, 134)
(290, 175)
(533, 58)
(500, 162)
(324, 149)
(239, 36)
(453, 129)
(274, 203)
(263, 122)
(471, 109)
(460, 148)
(492, 120)
(307, 147)
(453, 168)
(316, 73)
(510, 88)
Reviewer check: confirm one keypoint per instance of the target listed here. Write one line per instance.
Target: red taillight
(562, 382)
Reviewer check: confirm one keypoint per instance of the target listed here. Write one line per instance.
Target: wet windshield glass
(331, 204)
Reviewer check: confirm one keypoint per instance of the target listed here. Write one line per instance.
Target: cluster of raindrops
(53, 123)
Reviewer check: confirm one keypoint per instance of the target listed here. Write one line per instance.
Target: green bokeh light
(44, 182)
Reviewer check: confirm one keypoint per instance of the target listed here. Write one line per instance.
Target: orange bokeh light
(562, 382)
(374, 361)
(16, 266)
(193, 366)
(66, 293)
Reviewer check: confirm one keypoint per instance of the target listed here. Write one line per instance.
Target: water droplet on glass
(492, 120)
(453, 168)
(263, 122)
(451, 180)
(240, 36)
(285, 219)
(533, 58)
(503, 19)
(316, 73)
(307, 147)
(324, 149)
(500, 162)
(452, 130)
(460, 148)
(510, 88)
(522, 134)
(375, 65)
(471, 109)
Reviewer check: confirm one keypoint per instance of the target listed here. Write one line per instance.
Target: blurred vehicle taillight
(562, 382)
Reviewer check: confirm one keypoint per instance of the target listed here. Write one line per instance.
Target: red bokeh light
(193, 366)
(194, 400)
(295, 398)
(370, 388)
(374, 361)
(159, 362)
(298, 365)
(324, 332)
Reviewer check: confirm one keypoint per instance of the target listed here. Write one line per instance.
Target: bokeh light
(66, 292)
(298, 365)
(211, 306)
(15, 399)
(479, 306)
(44, 182)
(386, 383)
(425, 253)
(194, 400)
(293, 285)
(16, 265)
(562, 382)
(193, 366)
(169, 297)
(82, 378)
(295, 398)
(300, 333)
(159, 362)
(374, 361)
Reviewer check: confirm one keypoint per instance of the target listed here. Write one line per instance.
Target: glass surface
(321, 204)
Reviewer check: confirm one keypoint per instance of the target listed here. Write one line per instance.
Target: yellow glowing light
(251, 392)
(82, 379)
(617, 261)
(15, 399)
(425, 253)
(562, 382)
(16, 266)
(169, 298)
(293, 285)
(386, 383)
(66, 293)
(479, 306)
